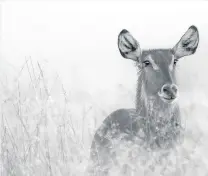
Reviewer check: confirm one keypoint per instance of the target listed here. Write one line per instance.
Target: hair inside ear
(128, 46)
(188, 43)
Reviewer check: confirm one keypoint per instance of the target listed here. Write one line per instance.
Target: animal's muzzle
(169, 91)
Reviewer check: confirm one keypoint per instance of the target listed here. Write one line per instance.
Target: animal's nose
(169, 91)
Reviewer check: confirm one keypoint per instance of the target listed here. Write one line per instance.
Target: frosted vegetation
(47, 130)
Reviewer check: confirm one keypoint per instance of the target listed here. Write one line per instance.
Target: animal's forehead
(158, 55)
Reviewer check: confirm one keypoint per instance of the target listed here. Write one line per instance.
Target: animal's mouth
(170, 99)
(167, 99)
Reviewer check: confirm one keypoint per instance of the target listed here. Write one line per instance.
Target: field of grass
(47, 129)
(41, 135)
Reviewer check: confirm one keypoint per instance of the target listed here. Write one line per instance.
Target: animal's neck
(155, 108)
(152, 106)
(161, 120)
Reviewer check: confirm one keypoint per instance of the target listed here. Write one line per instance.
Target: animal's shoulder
(121, 117)
(120, 121)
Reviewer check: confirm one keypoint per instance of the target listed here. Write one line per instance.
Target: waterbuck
(155, 123)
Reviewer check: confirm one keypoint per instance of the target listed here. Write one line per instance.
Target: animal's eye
(146, 63)
(175, 61)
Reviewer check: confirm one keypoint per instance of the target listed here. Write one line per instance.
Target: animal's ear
(188, 43)
(128, 46)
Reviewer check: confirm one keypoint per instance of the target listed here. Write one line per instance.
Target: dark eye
(146, 63)
(175, 61)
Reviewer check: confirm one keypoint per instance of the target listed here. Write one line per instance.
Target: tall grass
(46, 131)
(40, 135)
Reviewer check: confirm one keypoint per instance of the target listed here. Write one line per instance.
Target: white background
(81, 37)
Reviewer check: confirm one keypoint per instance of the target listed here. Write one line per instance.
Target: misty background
(79, 39)
(76, 45)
